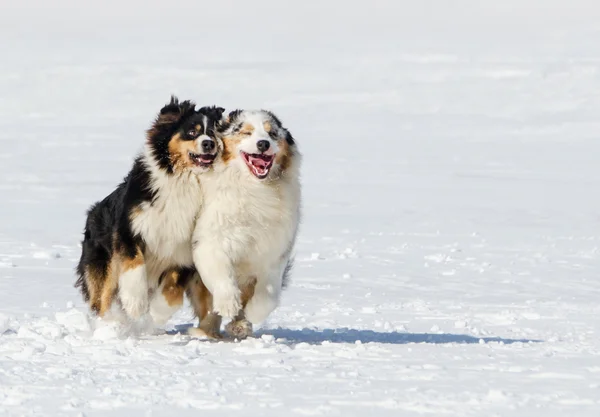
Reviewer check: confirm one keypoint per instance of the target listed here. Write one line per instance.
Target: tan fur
(179, 150)
(135, 211)
(284, 156)
(247, 290)
(247, 129)
(229, 144)
(209, 323)
(109, 288)
(205, 301)
(95, 280)
(201, 299)
(172, 290)
(128, 263)
(104, 283)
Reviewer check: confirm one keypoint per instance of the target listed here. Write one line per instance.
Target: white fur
(167, 224)
(115, 314)
(266, 295)
(133, 291)
(247, 229)
(248, 145)
(198, 144)
(215, 263)
(160, 310)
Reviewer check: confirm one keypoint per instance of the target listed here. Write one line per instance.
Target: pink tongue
(259, 163)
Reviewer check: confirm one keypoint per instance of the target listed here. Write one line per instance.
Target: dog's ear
(174, 111)
(173, 104)
(219, 111)
(219, 116)
(171, 108)
(275, 118)
(288, 137)
(233, 115)
(214, 112)
(169, 118)
(284, 132)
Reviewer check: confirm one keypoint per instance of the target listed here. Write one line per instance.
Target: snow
(448, 261)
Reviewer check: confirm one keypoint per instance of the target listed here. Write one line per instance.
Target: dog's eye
(246, 133)
(191, 132)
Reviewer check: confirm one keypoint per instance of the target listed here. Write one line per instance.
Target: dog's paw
(204, 334)
(240, 329)
(227, 303)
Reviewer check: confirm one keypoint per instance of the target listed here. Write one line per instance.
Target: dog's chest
(255, 221)
(166, 225)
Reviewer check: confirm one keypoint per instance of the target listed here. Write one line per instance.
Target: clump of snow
(74, 320)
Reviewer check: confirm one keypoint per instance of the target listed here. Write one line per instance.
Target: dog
(246, 231)
(137, 241)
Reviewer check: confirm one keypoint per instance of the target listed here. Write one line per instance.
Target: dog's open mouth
(259, 164)
(202, 159)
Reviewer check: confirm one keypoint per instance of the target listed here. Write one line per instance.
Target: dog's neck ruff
(161, 179)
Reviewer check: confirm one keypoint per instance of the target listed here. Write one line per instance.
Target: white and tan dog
(245, 234)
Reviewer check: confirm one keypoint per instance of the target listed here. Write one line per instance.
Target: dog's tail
(96, 245)
(82, 285)
(81, 282)
(287, 272)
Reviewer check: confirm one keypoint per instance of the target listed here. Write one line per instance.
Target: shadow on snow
(346, 335)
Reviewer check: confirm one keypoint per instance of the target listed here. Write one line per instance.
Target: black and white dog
(137, 241)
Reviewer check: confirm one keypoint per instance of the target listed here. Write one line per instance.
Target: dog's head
(183, 138)
(257, 142)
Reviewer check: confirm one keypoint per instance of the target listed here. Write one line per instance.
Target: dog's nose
(208, 145)
(263, 145)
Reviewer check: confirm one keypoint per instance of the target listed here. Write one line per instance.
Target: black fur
(108, 216)
(287, 135)
(232, 122)
(234, 114)
(213, 112)
(178, 116)
(166, 124)
(287, 273)
(289, 138)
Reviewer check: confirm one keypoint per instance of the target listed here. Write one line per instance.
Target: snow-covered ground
(449, 257)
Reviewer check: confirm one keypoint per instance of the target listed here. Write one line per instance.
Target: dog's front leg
(209, 324)
(217, 273)
(240, 327)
